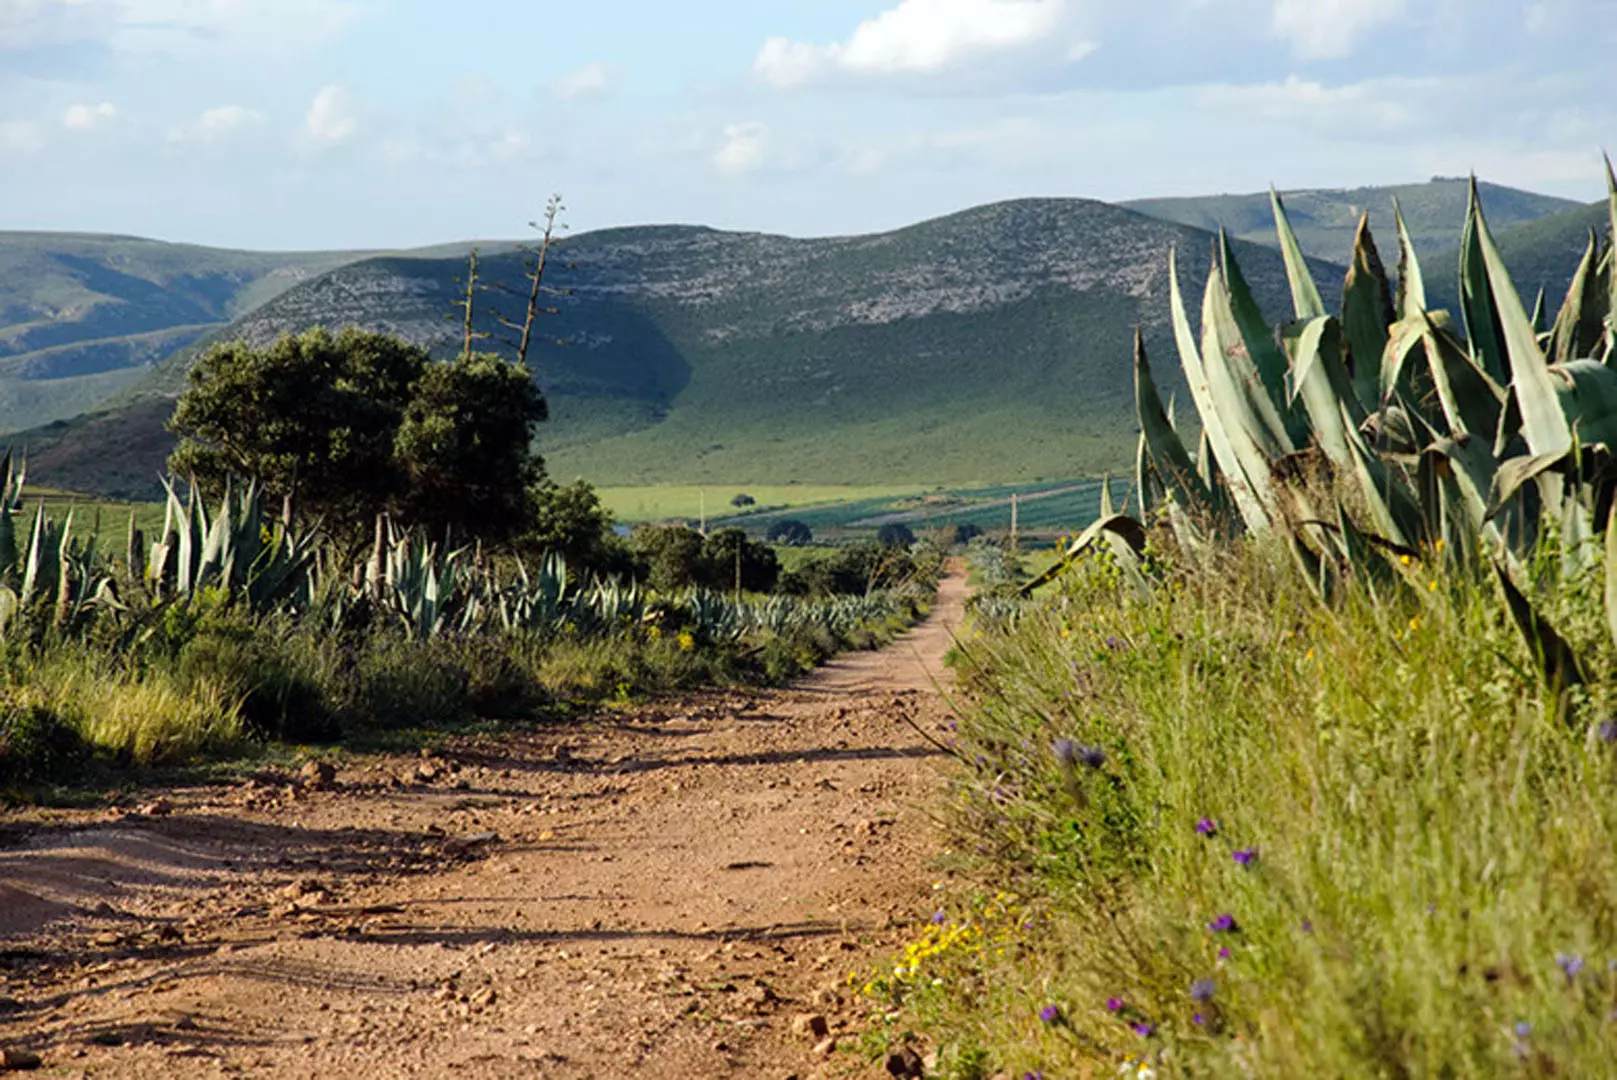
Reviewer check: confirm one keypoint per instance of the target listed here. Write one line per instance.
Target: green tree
(895, 536)
(791, 532)
(464, 449)
(312, 415)
(358, 423)
(670, 554)
(570, 520)
(728, 555)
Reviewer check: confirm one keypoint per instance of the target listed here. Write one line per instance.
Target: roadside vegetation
(364, 542)
(1306, 771)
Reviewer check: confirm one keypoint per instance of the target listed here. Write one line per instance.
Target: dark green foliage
(35, 745)
(731, 562)
(743, 500)
(464, 452)
(895, 536)
(791, 532)
(315, 415)
(859, 570)
(671, 556)
(571, 520)
(354, 424)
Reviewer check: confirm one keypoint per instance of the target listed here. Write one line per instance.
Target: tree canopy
(359, 423)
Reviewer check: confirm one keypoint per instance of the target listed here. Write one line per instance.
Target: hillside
(989, 345)
(82, 315)
(1325, 220)
(1541, 254)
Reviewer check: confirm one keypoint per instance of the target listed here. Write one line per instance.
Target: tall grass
(1257, 836)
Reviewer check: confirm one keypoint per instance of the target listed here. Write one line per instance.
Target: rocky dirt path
(664, 892)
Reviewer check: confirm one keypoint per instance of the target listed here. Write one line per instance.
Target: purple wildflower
(1246, 856)
(1092, 756)
(1523, 1029)
(1202, 990)
(1308, 926)
(1199, 1018)
(1207, 827)
(1066, 752)
(1223, 924)
(1050, 1014)
(1034, 1075)
(1114, 1004)
(1569, 964)
(1224, 953)
(939, 918)
(1143, 1029)
(1608, 731)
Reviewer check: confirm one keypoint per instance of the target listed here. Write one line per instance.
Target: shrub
(35, 744)
(895, 536)
(791, 533)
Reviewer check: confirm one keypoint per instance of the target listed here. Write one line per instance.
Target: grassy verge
(1223, 830)
(214, 685)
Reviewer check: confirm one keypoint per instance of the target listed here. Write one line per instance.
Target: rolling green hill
(83, 315)
(1325, 220)
(990, 345)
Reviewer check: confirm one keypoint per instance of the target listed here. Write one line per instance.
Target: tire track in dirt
(658, 892)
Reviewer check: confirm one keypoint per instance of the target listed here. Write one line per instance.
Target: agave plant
(1381, 431)
(237, 549)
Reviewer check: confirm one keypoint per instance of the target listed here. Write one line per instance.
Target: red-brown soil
(656, 892)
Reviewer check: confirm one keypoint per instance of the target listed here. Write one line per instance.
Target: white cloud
(1371, 106)
(589, 83)
(217, 123)
(745, 149)
(89, 117)
(20, 135)
(333, 116)
(1328, 29)
(919, 37)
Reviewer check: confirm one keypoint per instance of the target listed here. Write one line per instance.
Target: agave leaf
(1305, 298)
(1580, 328)
(1482, 324)
(8, 541)
(1391, 505)
(34, 568)
(1129, 531)
(1557, 662)
(1586, 394)
(1172, 464)
(1514, 474)
(1544, 422)
(1268, 359)
(1234, 373)
(1411, 284)
(1146, 482)
(1403, 338)
(1537, 318)
(1367, 311)
(1217, 434)
(1471, 401)
(1326, 388)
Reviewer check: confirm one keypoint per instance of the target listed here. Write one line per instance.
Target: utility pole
(702, 494)
(1015, 507)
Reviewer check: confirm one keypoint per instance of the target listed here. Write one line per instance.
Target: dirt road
(659, 892)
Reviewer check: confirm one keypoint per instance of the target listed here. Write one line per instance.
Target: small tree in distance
(790, 532)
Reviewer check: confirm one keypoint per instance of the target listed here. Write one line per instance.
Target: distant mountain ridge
(989, 344)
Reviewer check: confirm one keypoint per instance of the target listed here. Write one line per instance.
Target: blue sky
(388, 123)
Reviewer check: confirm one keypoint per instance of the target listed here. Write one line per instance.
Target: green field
(663, 502)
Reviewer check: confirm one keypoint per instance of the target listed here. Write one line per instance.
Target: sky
(301, 124)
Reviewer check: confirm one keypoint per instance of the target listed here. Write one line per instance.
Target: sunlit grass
(1415, 845)
(663, 501)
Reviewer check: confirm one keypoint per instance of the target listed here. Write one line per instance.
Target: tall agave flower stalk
(1380, 435)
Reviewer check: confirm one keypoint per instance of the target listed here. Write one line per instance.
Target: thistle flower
(1570, 965)
(939, 918)
(1223, 924)
(1246, 856)
(1207, 827)
(1092, 756)
(1202, 990)
(1143, 1029)
(1050, 1014)
(1114, 1004)
(1198, 1018)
